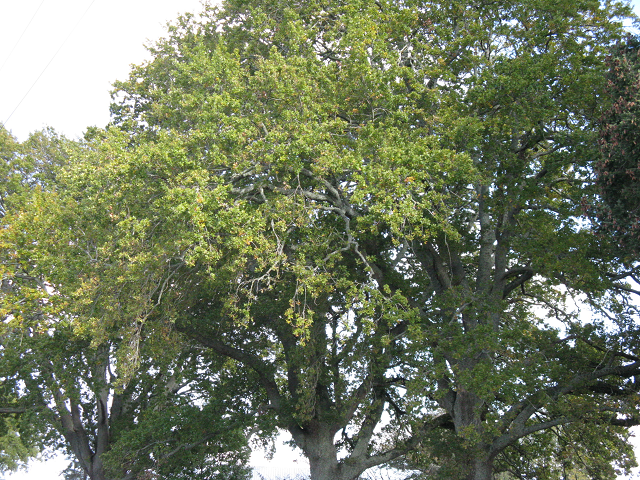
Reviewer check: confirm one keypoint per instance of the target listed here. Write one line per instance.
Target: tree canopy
(618, 170)
(370, 212)
(64, 390)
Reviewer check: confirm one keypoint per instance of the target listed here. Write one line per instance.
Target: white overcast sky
(58, 59)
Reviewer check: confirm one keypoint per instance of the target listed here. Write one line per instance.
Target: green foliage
(178, 443)
(369, 208)
(23, 166)
(617, 172)
(31, 164)
(197, 434)
(571, 451)
(75, 392)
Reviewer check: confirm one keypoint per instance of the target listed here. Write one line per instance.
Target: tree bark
(481, 469)
(316, 442)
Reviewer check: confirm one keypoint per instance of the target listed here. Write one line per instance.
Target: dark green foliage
(173, 439)
(618, 172)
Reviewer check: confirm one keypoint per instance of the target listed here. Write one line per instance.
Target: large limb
(514, 423)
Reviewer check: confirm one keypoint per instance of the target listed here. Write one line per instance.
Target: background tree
(618, 171)
(72, 393)
(374, 207)
(22, 435)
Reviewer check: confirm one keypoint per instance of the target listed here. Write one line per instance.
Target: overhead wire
(49, 63)
(21, 35)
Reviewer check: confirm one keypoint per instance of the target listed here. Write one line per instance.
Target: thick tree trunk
(91, 463)
(481, 469)
(324, 468)
(467, 411)
(318, 446)
(317, 443)
(97, 472)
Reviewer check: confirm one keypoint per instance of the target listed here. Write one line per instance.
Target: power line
(49, 63)
(21, 35)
